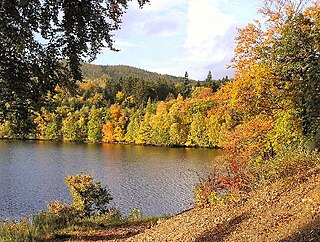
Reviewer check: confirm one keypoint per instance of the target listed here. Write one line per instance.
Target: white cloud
(206, 22)
(166, 25)
(160, 18)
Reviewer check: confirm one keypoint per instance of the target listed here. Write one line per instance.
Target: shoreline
(112, 143)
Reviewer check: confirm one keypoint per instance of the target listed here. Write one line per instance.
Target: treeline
(124, 109)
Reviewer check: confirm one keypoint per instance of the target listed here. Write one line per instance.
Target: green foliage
(63, 214)
(160, 125)
(95, 122)
(6, 130)
(186, 86)
(127, 73)
(16, 231)
(296, 58)
(287, 164)
(44, 224)
(89, 198)
(144, 135)
(53, 131)
(134, 125)
(41, 227)
(287, 131)
(198, 134)
(70, 129)
(211, 83)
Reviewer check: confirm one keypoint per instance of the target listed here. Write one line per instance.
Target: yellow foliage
(108, 132)
(119, 96)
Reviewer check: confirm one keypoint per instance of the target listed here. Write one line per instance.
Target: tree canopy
(42, 44)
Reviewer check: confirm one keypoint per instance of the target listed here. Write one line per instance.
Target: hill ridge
(93, 71)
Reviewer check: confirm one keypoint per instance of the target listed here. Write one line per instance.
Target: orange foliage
(114, 129)
(108, 132)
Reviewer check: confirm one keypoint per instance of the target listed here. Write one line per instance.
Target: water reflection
(157, 180)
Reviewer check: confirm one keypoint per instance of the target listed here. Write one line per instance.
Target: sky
(175, 36)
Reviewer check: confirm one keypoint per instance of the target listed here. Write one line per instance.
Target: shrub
(40, 228)
(287, 164)
(112, 217)
(65, 214)
(88, 198)
(212, 190)
(135, 215)
(16, 231)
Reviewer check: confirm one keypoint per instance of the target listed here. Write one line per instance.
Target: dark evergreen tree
(186, 86)
(209, 77)
(213, 84)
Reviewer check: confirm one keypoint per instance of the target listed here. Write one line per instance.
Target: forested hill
(116, 72)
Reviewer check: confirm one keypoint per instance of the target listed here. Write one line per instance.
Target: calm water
(157, 180)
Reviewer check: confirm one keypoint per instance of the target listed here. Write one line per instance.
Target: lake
(157, 180)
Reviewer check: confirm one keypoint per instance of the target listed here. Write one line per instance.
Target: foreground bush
(89, 198)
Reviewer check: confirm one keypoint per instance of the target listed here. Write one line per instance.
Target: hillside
(91, 71)
(283, 211)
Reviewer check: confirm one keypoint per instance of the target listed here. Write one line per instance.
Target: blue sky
(175, 36)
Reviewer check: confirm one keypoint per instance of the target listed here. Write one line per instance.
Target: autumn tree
(200, 103)
(179, 122)
(270, 105)
(145, 129)
(160, 124)
(95, 123)
(53, 130)
(296, 60)
(71, 129)
(133, 126)
(6, 130)
(115, 126)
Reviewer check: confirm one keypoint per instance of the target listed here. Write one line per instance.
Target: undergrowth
(46, 226)
(286, 165)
